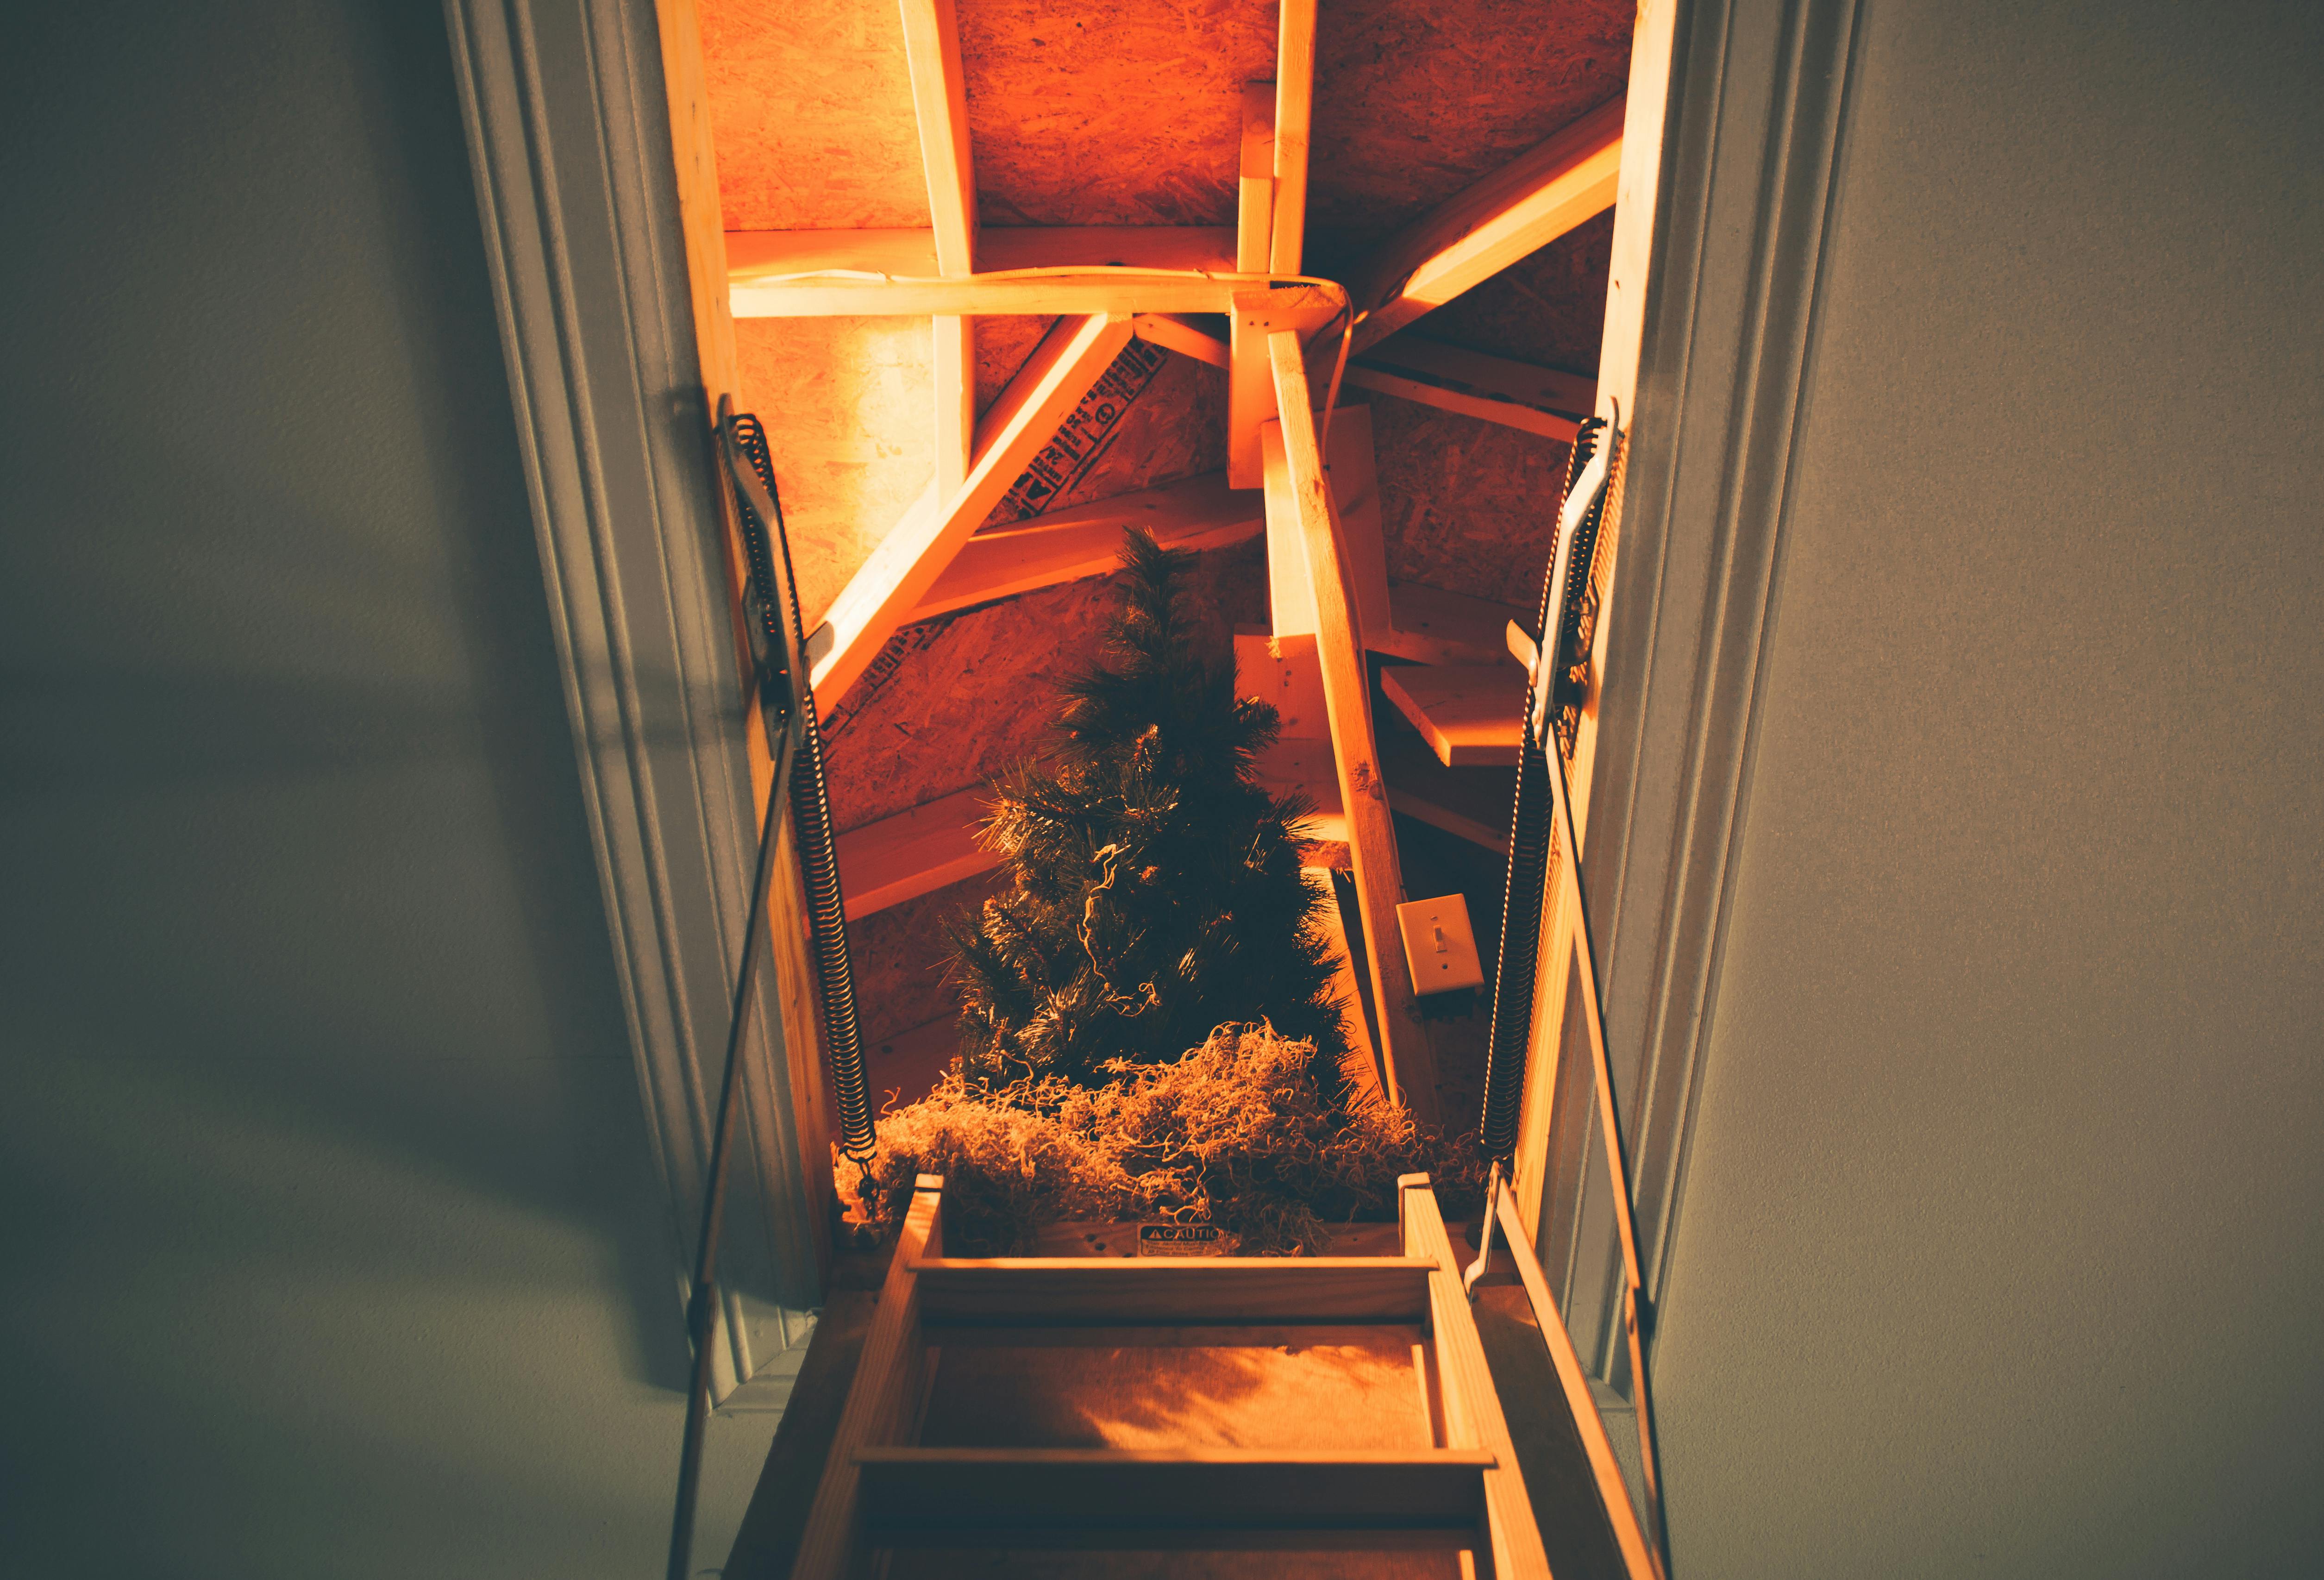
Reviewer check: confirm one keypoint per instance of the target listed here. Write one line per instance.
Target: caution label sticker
(1180, 1240)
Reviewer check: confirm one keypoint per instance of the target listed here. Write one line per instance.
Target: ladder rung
(1052, 1291)
(1137, 1498)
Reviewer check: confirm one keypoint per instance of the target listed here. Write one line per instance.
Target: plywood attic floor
(1128, 114)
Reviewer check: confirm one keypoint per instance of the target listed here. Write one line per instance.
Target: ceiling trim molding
(568, 136)
(1750, 169)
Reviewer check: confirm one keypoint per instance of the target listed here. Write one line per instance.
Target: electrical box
(1438, 944)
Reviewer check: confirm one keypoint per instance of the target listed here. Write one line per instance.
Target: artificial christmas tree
(1158, 889)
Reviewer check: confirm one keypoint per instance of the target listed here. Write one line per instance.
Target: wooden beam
(1251, 390)
(1292, 455)
(1478, 232)
(1472, 1410)
(1295, 93)
(1183, 334)
(916, 852)
(1469, 803)
(1049, 1292)
(1432, 626)
(1172, 1498)
(1071, 293)
(1255, 187)
(884, 1390)
(1514, 394)
(1362, 1065)
(753, 255)
(940, 108)
(1200, 512)
(1355, 502)
(892, 582)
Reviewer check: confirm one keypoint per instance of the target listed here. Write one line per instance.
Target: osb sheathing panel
(1002, 344)
(811, 110)
(1417, 98)
(849, 406)
(1466, 505)
(899, 955)
(1109, 112)
(979, 697)
(1549, 308)
(1177, 428)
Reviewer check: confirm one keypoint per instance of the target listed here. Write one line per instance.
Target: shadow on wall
(335, 1242)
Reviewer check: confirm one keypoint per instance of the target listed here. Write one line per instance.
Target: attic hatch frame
(601, 220)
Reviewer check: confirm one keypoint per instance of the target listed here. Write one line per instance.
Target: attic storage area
(1319, 301)
(1124, 135)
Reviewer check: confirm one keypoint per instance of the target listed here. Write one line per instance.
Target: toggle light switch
(1439, 945)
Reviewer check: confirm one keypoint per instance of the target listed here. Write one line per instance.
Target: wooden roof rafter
(890, 584)
(1520, 208)
(940, 110)
(1299, 493)
(1271, 219)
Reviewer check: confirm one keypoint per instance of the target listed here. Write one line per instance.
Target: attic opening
(924, 218)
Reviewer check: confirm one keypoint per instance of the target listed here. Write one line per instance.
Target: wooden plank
(879, 1400)
(1388, 382)
(1473, 1410)
(1072, 293)
(1199, 513)
(892, 582)
(1294, 93)
(940, 110)
(1471, 803)
(1255, 183)
(1184, 335)
(1303, 496)
(1122, 1497)
(1471, 717)
(1250, 389)
(914, 852)
(1520, 208)
(753, 255)
(1355, 498)
(694, 152)
(1282, 672)
(1514, 394)
(1646, 115)
(1639, 1559)
(952, 375)
(1437, 627)
(1362, 1065)
(1033, 1291)
(1497, 380)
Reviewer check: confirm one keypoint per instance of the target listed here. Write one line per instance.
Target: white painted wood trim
(1751, 151)
(569, 137)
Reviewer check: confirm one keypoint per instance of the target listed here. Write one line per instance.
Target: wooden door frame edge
(589, 280)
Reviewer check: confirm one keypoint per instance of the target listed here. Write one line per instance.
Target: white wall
(2001, 1249)
(333, 1245)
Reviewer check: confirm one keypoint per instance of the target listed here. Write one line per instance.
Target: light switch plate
(1439, 945)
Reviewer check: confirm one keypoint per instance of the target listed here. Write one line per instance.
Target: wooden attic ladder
(964, 1435)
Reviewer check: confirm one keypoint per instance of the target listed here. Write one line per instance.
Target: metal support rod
(701, 1305)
